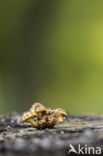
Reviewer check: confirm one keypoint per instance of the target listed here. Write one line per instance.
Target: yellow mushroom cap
(49, 111)
(60, 111)
(59, 119)
(27, 115)
(37, 107)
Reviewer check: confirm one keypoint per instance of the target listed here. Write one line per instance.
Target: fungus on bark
(46, 117)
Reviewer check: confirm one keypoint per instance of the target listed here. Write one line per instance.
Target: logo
(84, 149)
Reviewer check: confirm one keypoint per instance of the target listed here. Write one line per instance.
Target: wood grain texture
(22, 139)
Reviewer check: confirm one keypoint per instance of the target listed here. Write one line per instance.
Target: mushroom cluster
(41, 117)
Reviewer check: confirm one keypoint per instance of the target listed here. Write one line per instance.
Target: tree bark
(22, 139)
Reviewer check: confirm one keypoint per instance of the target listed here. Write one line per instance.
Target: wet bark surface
(22, 139)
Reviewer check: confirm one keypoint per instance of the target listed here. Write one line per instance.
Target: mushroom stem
(33, 123)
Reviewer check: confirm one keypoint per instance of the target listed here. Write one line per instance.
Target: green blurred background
(51, 51)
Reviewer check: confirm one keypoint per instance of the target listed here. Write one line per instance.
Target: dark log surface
(22, 139)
